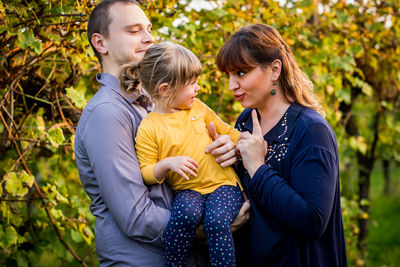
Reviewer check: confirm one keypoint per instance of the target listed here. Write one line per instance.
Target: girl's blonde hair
(259, 45)
(163, 62)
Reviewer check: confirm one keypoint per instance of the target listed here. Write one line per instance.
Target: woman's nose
(233, 83)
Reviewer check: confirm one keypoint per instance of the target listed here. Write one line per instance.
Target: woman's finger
(244, 135)
(256, 124)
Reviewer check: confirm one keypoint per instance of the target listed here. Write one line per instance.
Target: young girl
(170, 145)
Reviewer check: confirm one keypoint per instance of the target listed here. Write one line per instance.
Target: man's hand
(222, 147)
(243, 216)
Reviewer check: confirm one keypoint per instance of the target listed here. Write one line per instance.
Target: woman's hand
(222, 147)
(252, 147)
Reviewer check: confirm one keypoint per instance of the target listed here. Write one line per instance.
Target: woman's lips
(238, 97)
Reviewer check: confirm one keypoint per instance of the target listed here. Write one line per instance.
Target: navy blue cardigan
(295, 218)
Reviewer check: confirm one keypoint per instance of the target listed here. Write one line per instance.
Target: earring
(273, 91)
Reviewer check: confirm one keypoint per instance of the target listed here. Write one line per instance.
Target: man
(130, 217)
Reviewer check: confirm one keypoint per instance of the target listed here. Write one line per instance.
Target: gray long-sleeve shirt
(130, 216)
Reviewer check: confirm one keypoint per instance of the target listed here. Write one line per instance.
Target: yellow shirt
(184, 133)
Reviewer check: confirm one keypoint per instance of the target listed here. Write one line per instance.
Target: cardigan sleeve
(304, 204)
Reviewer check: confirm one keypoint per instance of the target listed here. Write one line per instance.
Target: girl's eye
(240, 73)
(227, 75)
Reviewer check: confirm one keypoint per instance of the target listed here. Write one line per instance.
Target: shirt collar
(277, 133)
(111, 81)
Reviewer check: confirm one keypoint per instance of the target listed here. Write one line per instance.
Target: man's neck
(113, 69)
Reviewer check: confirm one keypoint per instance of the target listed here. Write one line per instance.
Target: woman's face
(252, 89)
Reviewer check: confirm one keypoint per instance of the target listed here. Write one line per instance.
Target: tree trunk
(365, 169)
(386, 177)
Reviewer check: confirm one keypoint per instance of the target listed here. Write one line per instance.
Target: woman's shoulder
(314, 130)
(311, 118)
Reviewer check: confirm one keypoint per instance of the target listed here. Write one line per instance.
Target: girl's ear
(276, 67)
(163, 90)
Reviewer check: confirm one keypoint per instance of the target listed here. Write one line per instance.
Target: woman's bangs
(233, 58)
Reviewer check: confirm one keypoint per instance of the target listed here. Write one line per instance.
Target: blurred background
(350, 49)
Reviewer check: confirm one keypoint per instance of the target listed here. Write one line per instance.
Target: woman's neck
(271, 114)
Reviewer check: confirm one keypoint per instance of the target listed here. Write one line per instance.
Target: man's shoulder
(107, 106)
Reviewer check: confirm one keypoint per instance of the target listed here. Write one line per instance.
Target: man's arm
(109, 142)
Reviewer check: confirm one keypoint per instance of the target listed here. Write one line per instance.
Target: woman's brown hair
(259, 45)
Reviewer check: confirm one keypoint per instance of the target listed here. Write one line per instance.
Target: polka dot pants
(217, 211)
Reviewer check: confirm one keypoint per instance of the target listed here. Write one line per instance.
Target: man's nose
(148, 37)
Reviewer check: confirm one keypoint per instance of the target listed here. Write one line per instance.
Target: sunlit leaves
(18, 183)
(27, 39)
(77, 97)
(8, 236)
(56, 137)
(350, 53)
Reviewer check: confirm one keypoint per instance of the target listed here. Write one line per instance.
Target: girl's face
(185, 97)
(252, 89)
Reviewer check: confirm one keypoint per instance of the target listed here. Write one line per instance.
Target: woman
(289, 158)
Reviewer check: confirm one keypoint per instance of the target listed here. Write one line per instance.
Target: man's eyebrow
(138, 25)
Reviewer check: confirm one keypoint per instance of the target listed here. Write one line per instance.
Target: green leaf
(27, 39)
(76, 236)
(37, 47)
(56, 137)
(18, 183)
(8, 237)
(77, 97)
(365, 202)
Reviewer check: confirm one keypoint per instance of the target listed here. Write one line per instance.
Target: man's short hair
(99, 20)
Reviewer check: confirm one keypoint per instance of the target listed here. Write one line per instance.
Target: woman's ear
(99, 43)
(276, 68)
(163, 90)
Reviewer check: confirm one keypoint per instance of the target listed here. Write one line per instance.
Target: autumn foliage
(351, 52)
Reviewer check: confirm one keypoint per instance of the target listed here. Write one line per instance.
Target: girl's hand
(252, 147)
(183, 166)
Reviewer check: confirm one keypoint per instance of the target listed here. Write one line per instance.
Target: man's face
(129, 34)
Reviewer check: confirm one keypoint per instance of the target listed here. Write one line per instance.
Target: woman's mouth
(239, 97)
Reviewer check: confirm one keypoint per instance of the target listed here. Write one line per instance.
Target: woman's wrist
(252, 168)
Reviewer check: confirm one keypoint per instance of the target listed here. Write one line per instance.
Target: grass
(384, 231)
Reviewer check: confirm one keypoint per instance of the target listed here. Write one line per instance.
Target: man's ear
(276, 67)
(163, 90)
(99, 43)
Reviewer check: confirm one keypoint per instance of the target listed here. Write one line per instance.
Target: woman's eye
(227, 75)
(240, 73)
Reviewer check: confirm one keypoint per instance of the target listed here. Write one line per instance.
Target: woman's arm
(304, 205)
